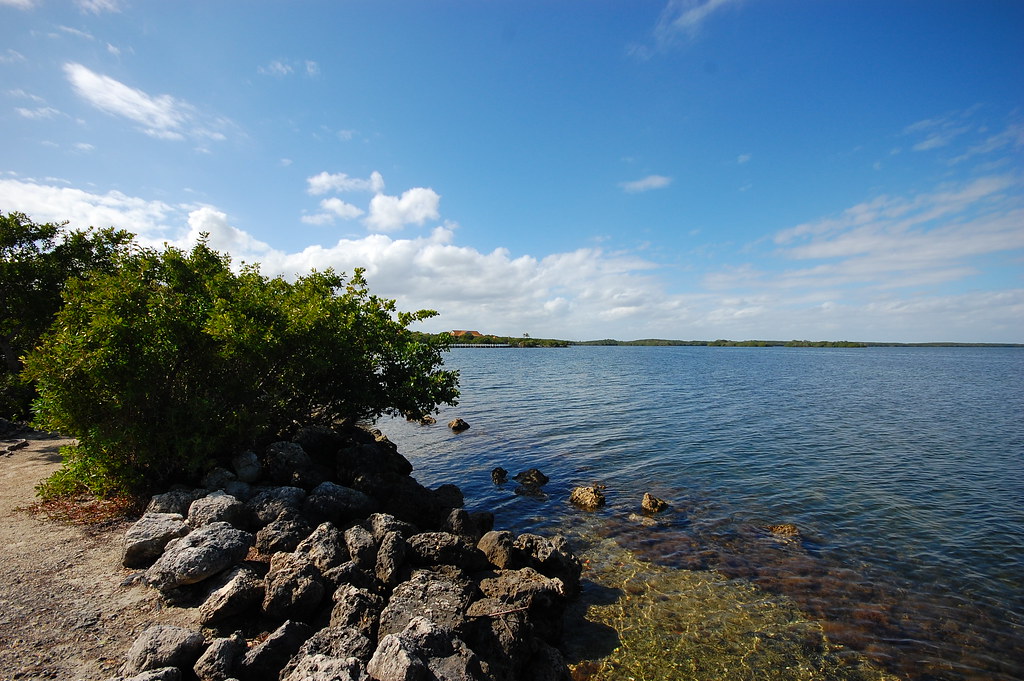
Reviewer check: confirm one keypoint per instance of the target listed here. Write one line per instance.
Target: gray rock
(552, 558)
(163, 646)
(357, 610)
(269, 502)
(336, 503)
(324, 668)
(336, 642)
(390, 558)
(265, 661)
(242, 491)
(361, 547)
(382, 523)
(247, 467)
(221, 657)
(217, 478)
(283, 534)
(524, 588)
(442, 594)
(162, 674)
(217, 507)
(294, 588)
(174, 501)
(497, 546)
(198, 556)
(425, 650)
(445, 548)
(350, 573)
(325, 547)
(234, 592)
(147, 538)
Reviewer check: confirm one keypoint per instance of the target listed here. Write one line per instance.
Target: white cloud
(21, 94)
(84, 147)
(114, 50)
(76, 32)
(19, 4)
(11, 56)
(743, 158)
(161, 116)
(414, 206)
(646, 184)
(684, 18)
(222, 236)
(312, 68)
(98, 6)
(325, 182)
(332, 208)
(40, 112)
(275, 68)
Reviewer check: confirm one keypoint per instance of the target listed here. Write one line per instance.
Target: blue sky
(690, 169)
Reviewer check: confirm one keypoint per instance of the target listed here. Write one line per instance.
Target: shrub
(173, 362)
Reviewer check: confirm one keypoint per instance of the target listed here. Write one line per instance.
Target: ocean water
(903, 469)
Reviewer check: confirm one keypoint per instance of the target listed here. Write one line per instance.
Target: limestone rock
(163, 646)
(334, 642)
(499, 476)
(532, 476)
(382, 523)
(324, 668)
(218, 478)
(294, 588)
(552, 558)
(287, 463)
(174, 501)
(652, 504)
(324, 547)
(590, 498)
(270, 502)
(336, 503)
(265, 661)
(198, 556)
(232, 593)
(361, 547)
(221, 657)
(357, 610)
(217, 507)
(425, 650)
(247, 467)
(442, 594)
(445, 548)
(498, 547)
(283, 534)
(147, 538)
(458, 425)
(390, 558)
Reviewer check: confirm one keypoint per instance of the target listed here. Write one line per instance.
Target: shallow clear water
(902, 467)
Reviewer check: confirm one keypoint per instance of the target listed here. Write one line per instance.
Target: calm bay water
(902, 467)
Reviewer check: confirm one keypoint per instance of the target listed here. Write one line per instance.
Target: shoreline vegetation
(466, 340)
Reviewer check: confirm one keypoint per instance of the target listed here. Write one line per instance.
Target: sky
(684, 169)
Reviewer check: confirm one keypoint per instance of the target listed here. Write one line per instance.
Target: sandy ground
(64, 611)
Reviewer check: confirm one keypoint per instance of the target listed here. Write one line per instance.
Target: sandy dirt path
(64, 611)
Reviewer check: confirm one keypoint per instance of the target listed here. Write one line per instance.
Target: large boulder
(265, 661)
(361, 547)
(324, 547)
(163, 646)
(336, 503)
(283, 534)
(444, 548)
(590, 497)
(221, 656)
(442, 594)
(198, 556)
(269, 502)
(357, 610)
(174, 501)
(146, 539)
(247, 466)
(425, 650)
(218, 507)
(324, 668)
(498, 547)
(552, 558)
(334, 642)
(294, 588)
(382, 523)
(287, 463)
(234, 592)
(391, 558)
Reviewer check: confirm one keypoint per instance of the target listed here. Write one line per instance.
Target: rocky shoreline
(323, 559)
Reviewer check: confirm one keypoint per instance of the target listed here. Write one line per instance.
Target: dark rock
(590, 498)
(652, 504)
(425, 650)
(532, 477)
(198, 556)
(247, 467)
(146, 539)
(382, 523)
(445, 548)
(265, 661)
(232, 593)
(483, 522)
(441, 594)
(242, 491)
(324, 547)
(524, 588)
(552, 558)
(390, 558)
(283, 534)
(499, 476)
(221, 656)
(350, 573)
(336, 642)
(497, 547)
(449, 496)
(287, 463)
(546, 664)
(358, 610)
(361, 547)
(336, 503)
(294, 588)
(321, 443)
(217, 478)
(368, 467)
(787, 531)
(174, 501)
(324, 668)
(269, 502)
(218, 507)
(458, 425)
(163, 646)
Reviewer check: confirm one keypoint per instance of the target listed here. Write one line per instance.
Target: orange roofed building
(458, 333)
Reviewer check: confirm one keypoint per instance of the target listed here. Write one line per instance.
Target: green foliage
(174, 361)
(36, 263)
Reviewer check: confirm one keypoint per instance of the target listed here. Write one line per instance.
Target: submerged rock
(458, 425)
(652, 504)
(499, 476)
(590, 498)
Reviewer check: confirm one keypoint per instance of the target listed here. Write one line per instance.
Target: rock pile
(323, 559)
